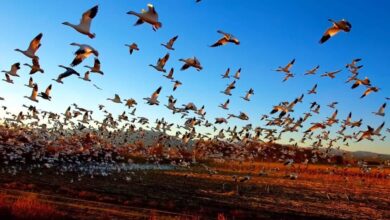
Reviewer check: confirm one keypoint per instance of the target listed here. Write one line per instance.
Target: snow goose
(8, 79)
(14, 70)
(35, 67)
(381, 110)
(150, 16)
(86, 77)
(33, 47)
(161, 63)
(170, 43)
(83, 52)
(228, 89)
(359, 82)
(342, 25)
(225, 105)
(152, 100)
(30, 83)
(313, 90)
(132, 47)
(312, 71)
(69, 71)
(85, 23)
(237, 74)
(191, 62)
(286, 69)
(331, 75)
(369, 90)
(227, 38)
(34, 94)
(248, 94)
(116, 99)
(226, 75)
(170, 74)
(96, 67)
(176, 84)
(46, 94)
(130, 102)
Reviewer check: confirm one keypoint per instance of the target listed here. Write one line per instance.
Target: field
(218, 190)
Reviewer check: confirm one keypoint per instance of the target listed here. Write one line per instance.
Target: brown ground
(320, 192)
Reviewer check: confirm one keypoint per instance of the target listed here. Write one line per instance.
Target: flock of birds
(278, 122)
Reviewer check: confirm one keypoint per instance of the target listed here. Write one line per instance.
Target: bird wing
(34, 92)
(88, 16)
(35, 43)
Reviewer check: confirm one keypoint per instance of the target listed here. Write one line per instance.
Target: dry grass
(27, 207)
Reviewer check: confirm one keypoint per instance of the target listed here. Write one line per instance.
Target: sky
(271, 34)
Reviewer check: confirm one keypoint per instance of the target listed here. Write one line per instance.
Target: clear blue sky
(271, 34)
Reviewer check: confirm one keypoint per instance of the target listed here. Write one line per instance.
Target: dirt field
(216, 191)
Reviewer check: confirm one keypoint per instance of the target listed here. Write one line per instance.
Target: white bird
(312, 71)
(82, 53)
(161, 63)
(170, 43)
(35, 67)
(116, 99)
(85, 23)
(343, 25)
(33, 47)
(237, 74)
(153, 98)
(191, 62)
(170, 74)
(381, 110)
(34, 94)
(96, 67)
(8, 79)
(14, 70)
(225, 105)
(150, 16)
(86, 76)
(30, 83)
(69, 71)
(132, 47)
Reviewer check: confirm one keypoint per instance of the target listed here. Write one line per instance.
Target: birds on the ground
(227, 38)
(150, 16)
(85, 23)
(342, 25)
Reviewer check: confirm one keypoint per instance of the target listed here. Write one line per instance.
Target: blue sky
(271, 34)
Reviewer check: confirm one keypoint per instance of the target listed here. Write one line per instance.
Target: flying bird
(35, 67)
(369, 90)
(82, 53)
(132, 47)
(96, 67)
(342, 25)
(33, 47)
(331, 75)
(381, 110)
(69, 71)
(161, 63)
(170, 74)
(153, 98)
(169, 44)
(286, 69)
(116, 99)
(227, 38)
(46, 94)
(8, 78)
(14, 70)
(150, 16)
(312, 71)
(85, 23)
(191, 62)
(86, 76)
(34, 94)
